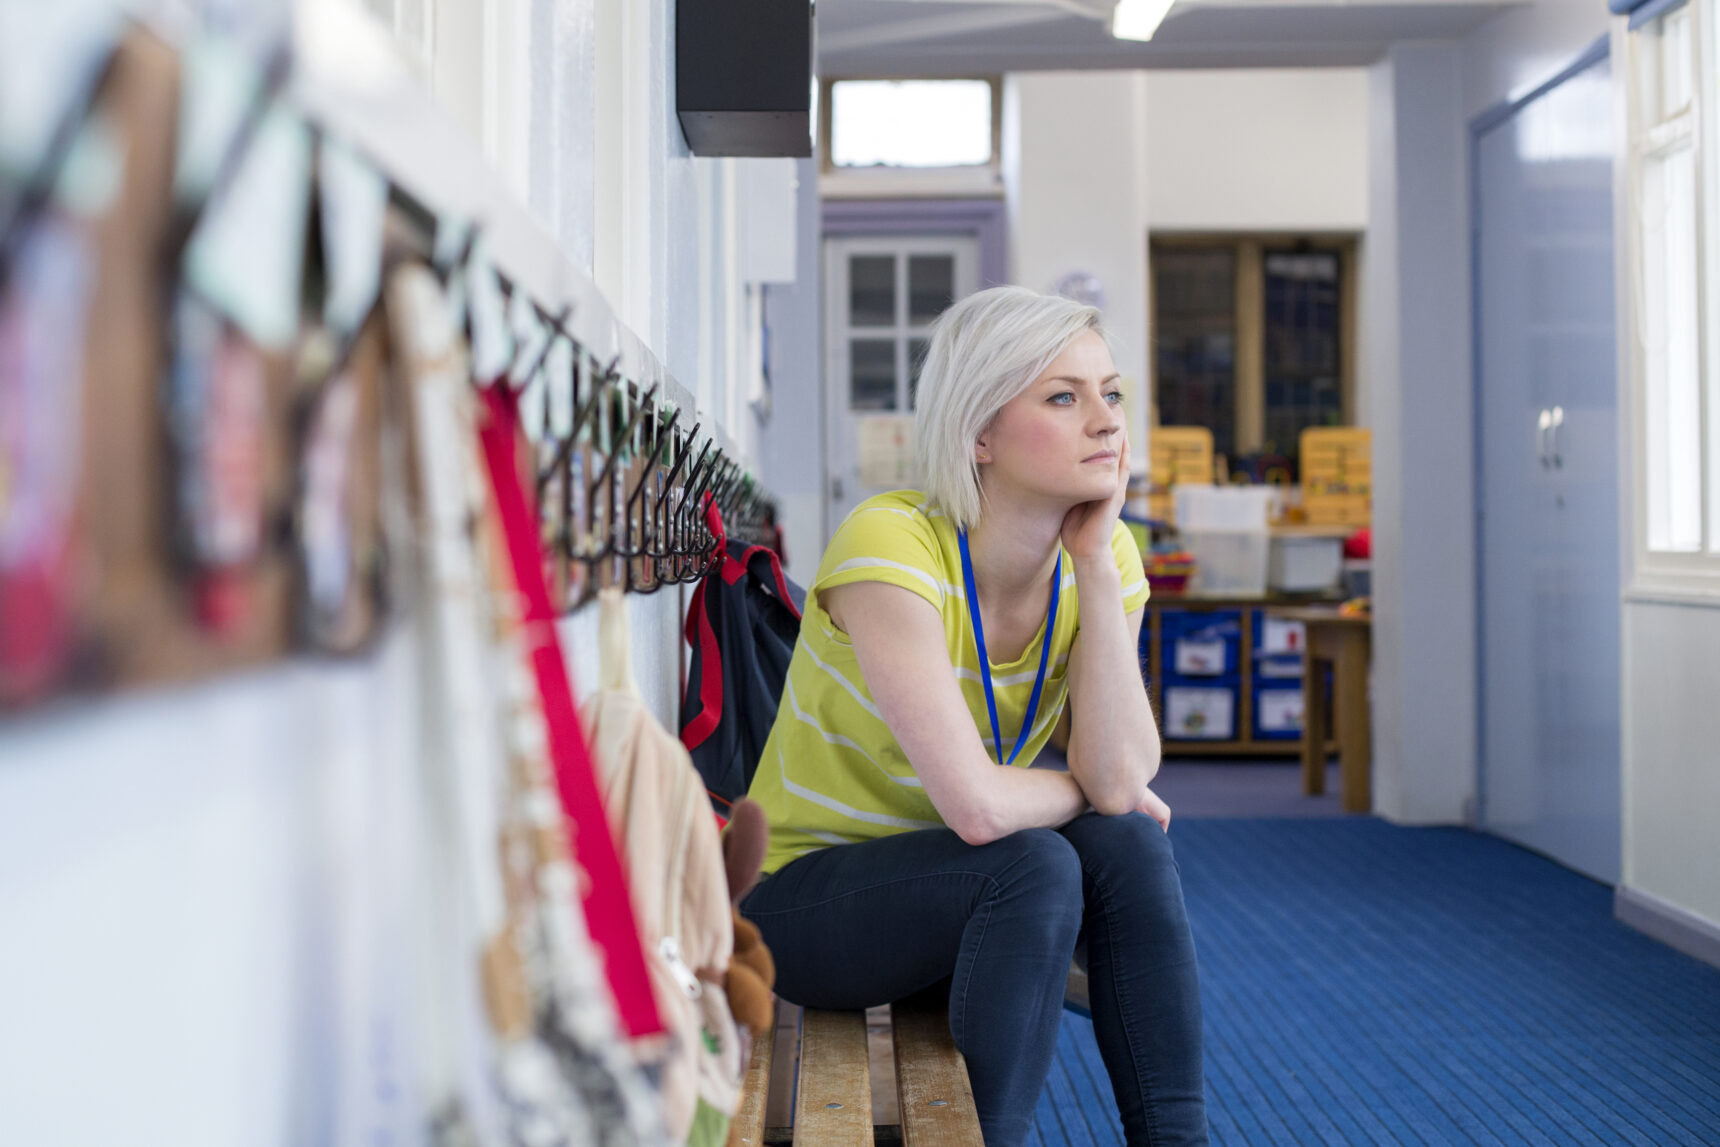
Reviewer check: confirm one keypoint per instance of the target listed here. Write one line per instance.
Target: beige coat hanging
(670, 843)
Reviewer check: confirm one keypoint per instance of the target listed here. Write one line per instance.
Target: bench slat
(747, 1130)
(833, 1107)
(932, 1080)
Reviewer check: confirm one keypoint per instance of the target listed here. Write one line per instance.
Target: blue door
(1547, 412)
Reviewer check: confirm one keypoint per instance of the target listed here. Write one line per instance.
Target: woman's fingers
(1157, 809)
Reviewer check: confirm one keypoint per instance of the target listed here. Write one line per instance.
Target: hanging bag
(680, 889)
(742, 624)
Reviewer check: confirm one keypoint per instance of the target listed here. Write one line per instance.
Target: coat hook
(556, 333)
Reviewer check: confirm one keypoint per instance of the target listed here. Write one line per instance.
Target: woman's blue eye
(1058, 398)
(1115, 397)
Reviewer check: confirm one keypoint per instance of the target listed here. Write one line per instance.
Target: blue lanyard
(985, 661)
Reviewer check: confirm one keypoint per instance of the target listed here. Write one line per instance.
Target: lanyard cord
(985, 660)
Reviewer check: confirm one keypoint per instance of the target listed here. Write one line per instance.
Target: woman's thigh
(858, 925)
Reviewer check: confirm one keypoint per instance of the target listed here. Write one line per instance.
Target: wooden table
(1344, 643)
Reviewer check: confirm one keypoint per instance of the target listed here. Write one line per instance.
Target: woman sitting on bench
(945, 635)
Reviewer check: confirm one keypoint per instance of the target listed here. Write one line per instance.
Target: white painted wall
(1416, 376)
(1074, 155)
(178, 868)
(1257, 150)
(791, 442)
(1672, 755)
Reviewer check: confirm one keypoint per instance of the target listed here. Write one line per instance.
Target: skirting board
(1668, 923)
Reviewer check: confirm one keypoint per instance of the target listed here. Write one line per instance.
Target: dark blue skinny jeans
(858, 925)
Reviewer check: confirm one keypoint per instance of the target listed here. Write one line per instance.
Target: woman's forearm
(1114, 745)
(1017, 798)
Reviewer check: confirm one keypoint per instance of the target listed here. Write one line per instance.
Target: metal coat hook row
(557, 332)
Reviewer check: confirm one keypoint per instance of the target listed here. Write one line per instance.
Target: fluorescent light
(1138, 19)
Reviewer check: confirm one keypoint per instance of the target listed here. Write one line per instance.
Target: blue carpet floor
(1369, 984)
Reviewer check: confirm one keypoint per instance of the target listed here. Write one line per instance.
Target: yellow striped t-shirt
(832, 772)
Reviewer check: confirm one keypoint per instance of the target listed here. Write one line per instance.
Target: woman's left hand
(1087, 527)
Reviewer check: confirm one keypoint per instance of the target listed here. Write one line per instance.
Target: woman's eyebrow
(1073, 379)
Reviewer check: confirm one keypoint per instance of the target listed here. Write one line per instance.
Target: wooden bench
(822, 1059)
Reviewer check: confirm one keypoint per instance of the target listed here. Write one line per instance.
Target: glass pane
(910, 123)
(872, 374)
(1194, 329)
(1675, 62)
(1301, 337)
(872, 290)
(931, 287)
(1674, 431)
(916, 359)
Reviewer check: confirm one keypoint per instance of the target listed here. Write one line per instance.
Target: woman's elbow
(975, 827)
(1115, 801)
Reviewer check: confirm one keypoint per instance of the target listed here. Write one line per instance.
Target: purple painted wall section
(982, 218)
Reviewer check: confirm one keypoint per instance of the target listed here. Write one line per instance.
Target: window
(899, 137)
(910, 123)
(1252, 340)
(1675, 297)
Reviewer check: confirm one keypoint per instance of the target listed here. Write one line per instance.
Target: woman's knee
(1131, 846)
(1037, 865)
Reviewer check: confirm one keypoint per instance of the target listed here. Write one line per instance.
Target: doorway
(882, 294)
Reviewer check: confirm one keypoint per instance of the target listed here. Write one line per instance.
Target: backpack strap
(748, 561)
(703, 638)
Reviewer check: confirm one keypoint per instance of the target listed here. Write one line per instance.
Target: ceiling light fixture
(1138, 19)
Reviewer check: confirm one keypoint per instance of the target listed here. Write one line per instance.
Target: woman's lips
(1102, 456)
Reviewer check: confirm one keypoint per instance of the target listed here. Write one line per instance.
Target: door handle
(1543, 425)
(1558, 420)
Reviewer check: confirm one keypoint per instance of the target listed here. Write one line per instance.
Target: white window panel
(1672, 378)
(911, 123)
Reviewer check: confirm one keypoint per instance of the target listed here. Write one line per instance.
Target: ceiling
(940, 38)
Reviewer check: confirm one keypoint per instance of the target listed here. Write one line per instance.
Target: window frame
(1657, 574)
(973, 181)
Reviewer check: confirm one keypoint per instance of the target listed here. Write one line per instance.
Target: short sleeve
(887, 543)
(1135, 592)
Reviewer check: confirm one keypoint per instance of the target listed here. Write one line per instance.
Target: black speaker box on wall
(743, 76)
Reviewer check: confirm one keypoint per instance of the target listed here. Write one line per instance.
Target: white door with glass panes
(881, 296)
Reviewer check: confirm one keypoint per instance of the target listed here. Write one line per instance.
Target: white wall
(791, 443)
(1672, 756)
(1074, 175)
(1417, 380)
(1257, 150)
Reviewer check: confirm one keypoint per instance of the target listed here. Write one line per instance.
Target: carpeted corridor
(1370, 984)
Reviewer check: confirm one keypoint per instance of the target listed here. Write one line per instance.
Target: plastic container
(1301, 563)
(1228, 563)
(1200, 713)
(1225, 507)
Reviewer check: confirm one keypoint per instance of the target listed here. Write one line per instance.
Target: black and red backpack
(742, 624)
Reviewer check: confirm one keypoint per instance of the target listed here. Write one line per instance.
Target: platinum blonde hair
(985, 350)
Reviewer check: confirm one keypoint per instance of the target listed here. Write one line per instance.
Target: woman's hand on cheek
(1087, 527)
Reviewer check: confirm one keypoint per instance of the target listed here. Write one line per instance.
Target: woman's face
(1059, 439)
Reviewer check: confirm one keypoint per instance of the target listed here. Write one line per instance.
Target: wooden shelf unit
(1244, 744)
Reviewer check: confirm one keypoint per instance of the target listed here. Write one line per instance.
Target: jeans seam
(971, 959)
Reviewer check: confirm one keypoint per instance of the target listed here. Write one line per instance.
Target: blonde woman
(947, 632)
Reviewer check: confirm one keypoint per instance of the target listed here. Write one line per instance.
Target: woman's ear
(981, 451)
